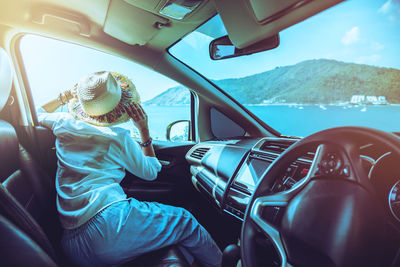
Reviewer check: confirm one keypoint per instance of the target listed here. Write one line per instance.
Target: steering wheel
(332, 217)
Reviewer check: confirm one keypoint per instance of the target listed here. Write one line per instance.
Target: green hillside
(308, 82)
(178, 95)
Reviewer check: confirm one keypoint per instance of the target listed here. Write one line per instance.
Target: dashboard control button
(304, 171)
(346, 171)
(332, 163)
(289, 182)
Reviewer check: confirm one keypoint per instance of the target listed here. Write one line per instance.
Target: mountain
(178, 95)
(308, 82)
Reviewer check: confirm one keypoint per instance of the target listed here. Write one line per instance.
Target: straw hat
(101, 98)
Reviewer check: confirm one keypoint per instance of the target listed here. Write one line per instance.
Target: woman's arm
(54, 104)
(145, 137)
(139, 117)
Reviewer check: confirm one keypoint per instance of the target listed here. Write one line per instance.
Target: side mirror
(179, 131)
(222, 47)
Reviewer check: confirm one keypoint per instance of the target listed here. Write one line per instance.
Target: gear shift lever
(230, 256)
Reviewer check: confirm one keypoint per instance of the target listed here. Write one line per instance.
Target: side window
(224, 127)
(53, 66)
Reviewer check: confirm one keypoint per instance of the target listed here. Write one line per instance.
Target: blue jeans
(129, 228)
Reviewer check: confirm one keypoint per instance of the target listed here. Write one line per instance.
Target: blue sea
(299, 120)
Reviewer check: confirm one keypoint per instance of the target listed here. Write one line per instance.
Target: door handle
(164, 162)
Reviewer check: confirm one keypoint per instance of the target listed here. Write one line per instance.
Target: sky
(359, 31)
(53, 66)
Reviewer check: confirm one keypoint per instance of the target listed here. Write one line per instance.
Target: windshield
(338, 68)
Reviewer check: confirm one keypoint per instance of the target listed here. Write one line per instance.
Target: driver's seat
(29, 227)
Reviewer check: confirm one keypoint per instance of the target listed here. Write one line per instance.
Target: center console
(227, 172)
(253, 169)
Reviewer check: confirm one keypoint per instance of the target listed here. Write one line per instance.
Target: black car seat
(26, 194)
(17, 249)
(29, 228)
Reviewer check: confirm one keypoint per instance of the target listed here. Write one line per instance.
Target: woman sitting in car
(103, 226)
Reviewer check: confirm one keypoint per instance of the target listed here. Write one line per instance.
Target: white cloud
(372, 59)
(377, 46)
(351, 36)
(391, 8)
(385, 7)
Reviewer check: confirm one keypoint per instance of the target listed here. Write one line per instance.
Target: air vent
(309, 155)
(275, 147)
(266, 157)
(199, 153)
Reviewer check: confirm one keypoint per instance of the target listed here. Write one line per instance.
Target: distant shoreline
(293, 104)
(321, 104)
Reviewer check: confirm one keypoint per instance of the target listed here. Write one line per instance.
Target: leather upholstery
(24, 194)
(9, 150)
(29, 254)
(165, 257)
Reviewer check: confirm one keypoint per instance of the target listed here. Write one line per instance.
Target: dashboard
(227, 172)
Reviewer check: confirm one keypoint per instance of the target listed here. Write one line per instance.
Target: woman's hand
(72, 93)
(62, 99)
(139, 117)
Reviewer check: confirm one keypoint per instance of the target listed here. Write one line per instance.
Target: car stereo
(251, 172)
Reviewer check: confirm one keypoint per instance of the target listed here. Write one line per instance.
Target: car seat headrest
(9, 148)
(5, 77)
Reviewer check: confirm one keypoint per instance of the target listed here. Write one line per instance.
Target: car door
(172, 185)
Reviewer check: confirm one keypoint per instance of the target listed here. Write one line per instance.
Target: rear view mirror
(222, 47)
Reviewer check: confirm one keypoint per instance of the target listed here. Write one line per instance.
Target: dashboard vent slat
(275, 147)
(199, 153)
(267, 157)
(309, 155)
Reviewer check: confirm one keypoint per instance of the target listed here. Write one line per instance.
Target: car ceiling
(140, 22)
(128, 22)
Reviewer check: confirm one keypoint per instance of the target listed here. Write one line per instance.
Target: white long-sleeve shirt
(91, 164)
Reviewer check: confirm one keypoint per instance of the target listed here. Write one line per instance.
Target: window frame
(27, 96)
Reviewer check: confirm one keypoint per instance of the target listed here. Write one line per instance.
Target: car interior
(268, 199)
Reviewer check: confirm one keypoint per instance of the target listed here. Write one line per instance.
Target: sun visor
(250, 21)
(131, 24)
